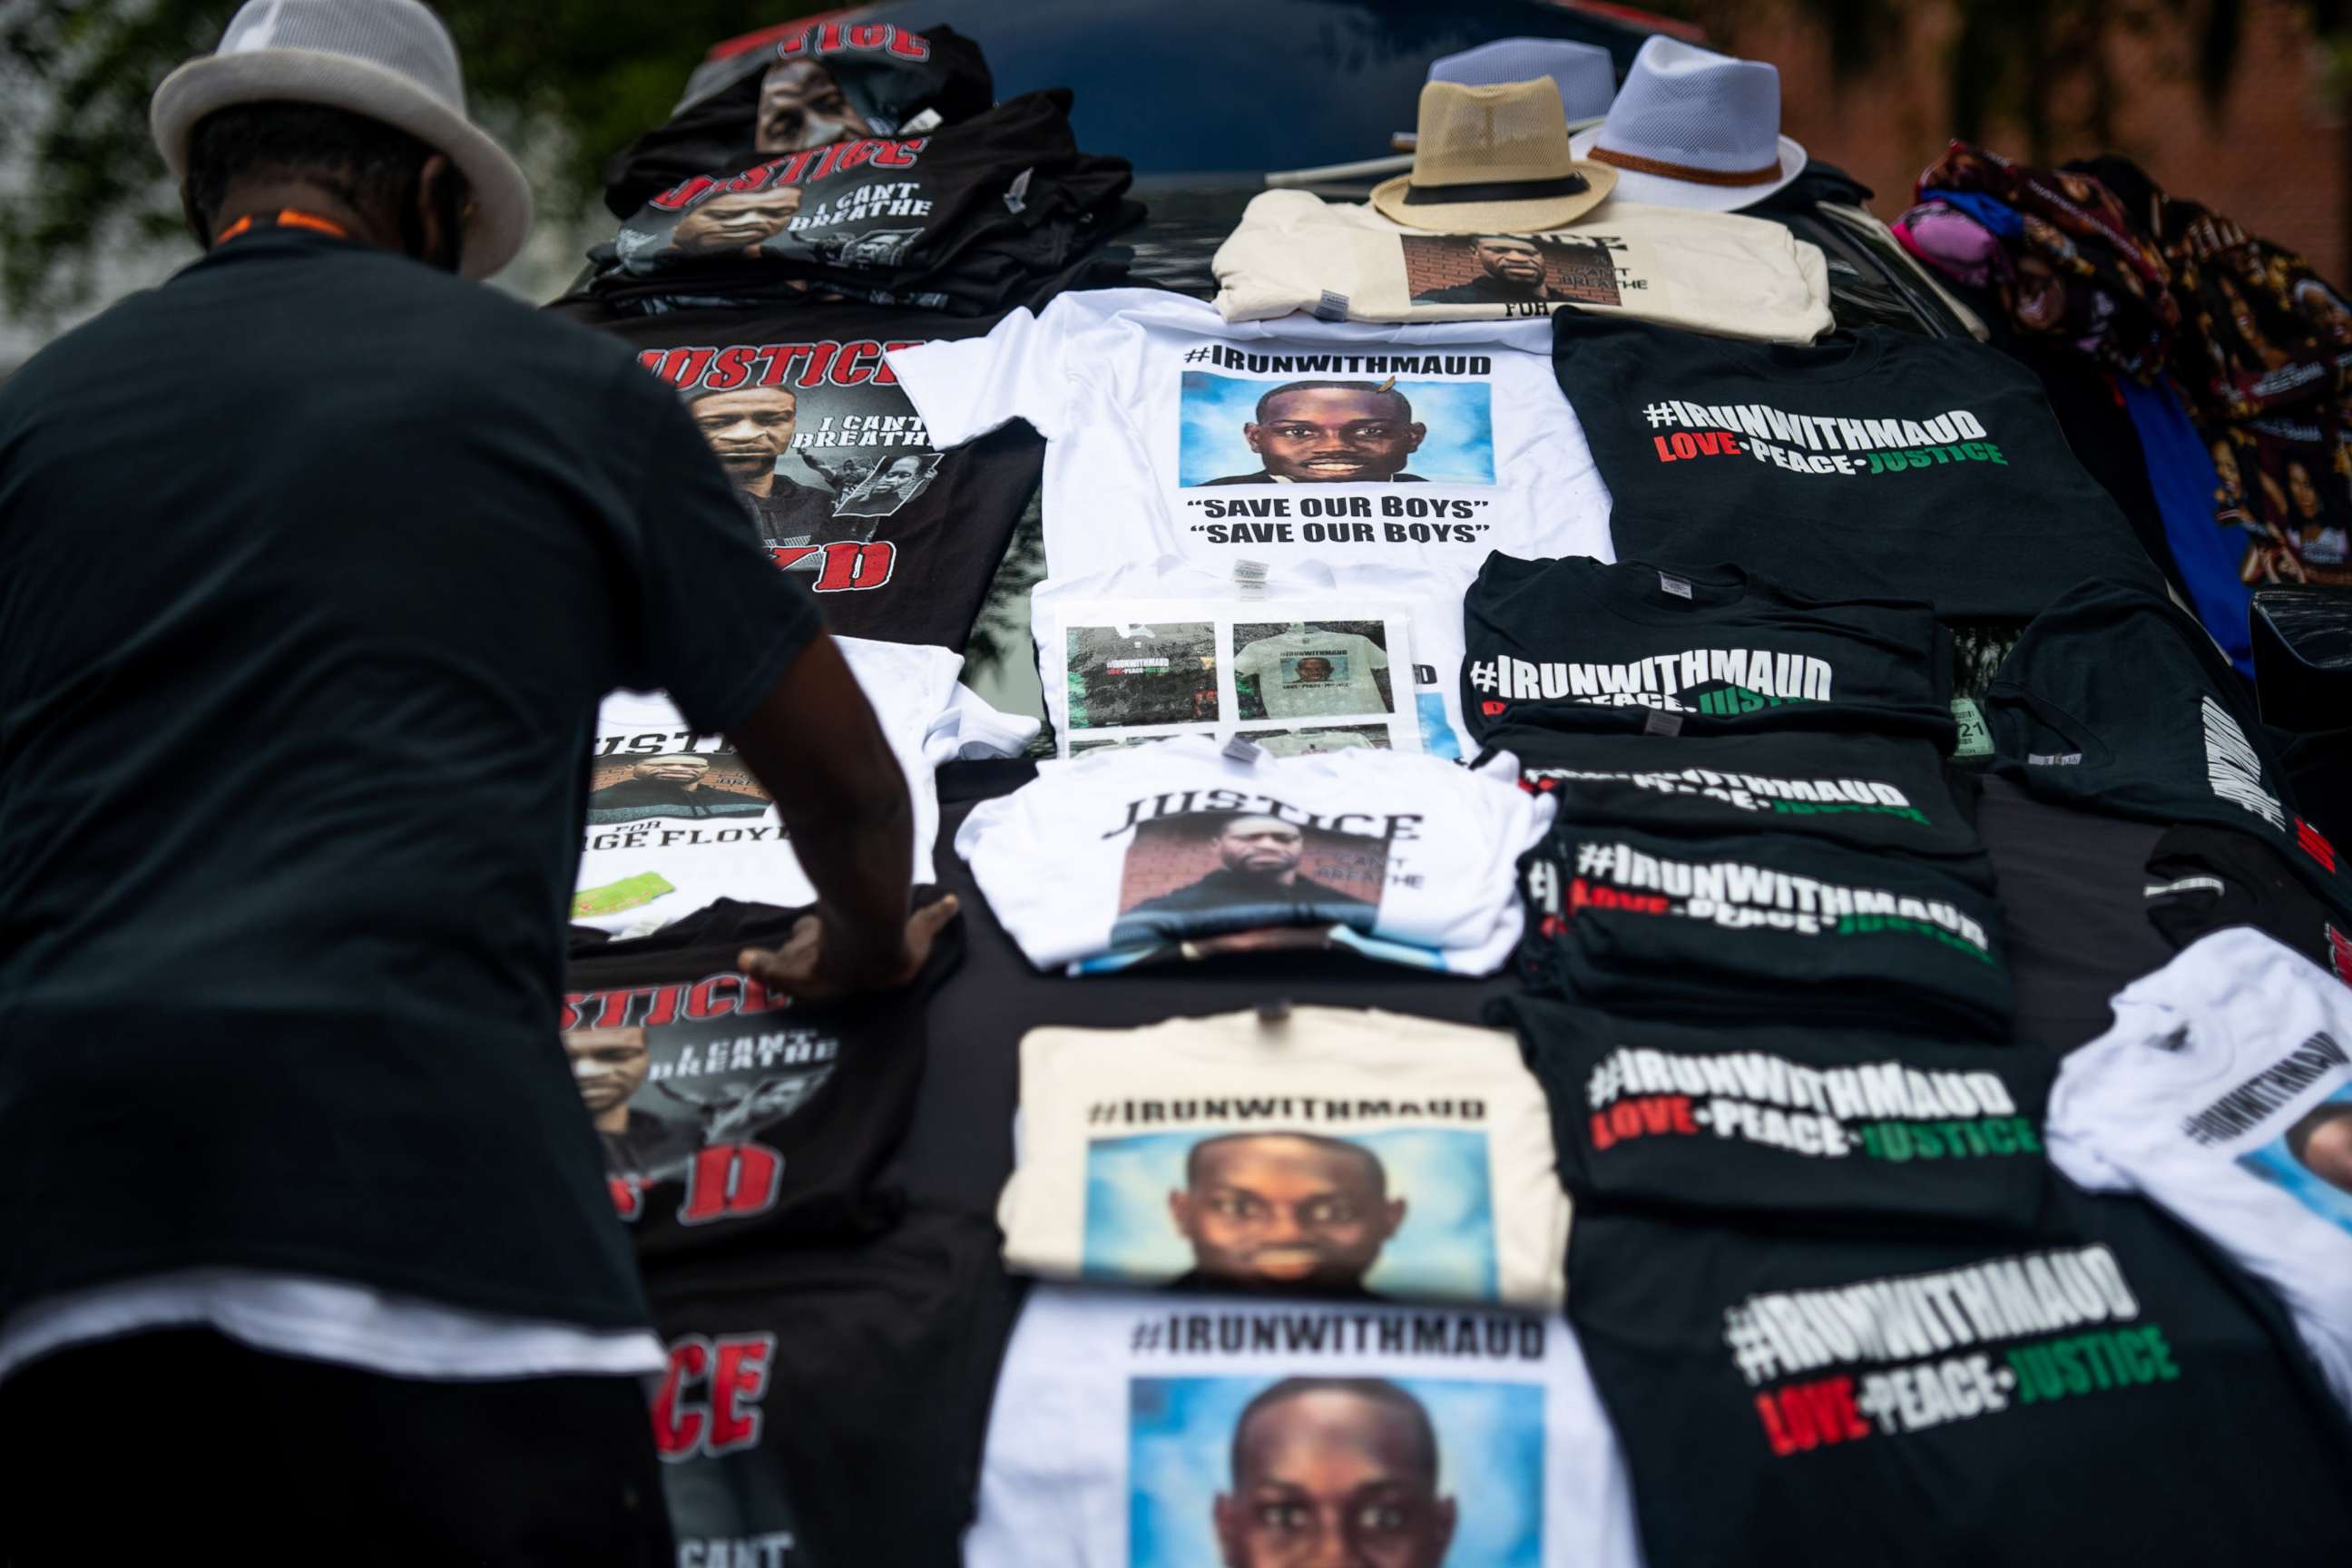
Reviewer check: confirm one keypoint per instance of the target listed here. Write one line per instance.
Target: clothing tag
(2053, 759)
(1249, 579)
(1656, 723)
(1332, 307)
(1678, 586)
(928, 120)
(1243, 749)
(1016, 194)
(1975, 744)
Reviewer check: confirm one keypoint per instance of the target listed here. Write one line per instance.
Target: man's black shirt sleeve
(715, 621)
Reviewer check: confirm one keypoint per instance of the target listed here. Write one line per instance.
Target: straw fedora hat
(388, 60)
(1692, 128)
(1493, 159)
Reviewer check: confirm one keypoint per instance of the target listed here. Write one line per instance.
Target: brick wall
(1173, 852)
(2272, 157)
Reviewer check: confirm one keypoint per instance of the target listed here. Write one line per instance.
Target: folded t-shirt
(1875, 464)
(676, 819)
(2202, 880)
(2081, 1394)
(1761, 928)
(1170, 431)
(2223, 1095)
(1793, 1126)
(1164, 1431)
(1711, 272)
(727, 1110)
(1886, 794)
(1178, 849)
(1326, 1152)
(1693, 650)
(2174, 741)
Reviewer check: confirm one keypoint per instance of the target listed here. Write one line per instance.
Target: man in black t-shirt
(382, 523)
(1511, 272)
(1289, 1211)
(1256, 882)
(1334, 1469)
(1331, 432)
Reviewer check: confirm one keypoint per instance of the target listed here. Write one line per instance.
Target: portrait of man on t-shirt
(1334, 1469)
(1331, 432)
(610, 1066)
(674, 783)
(750, 429)
(801, 105)
(1284, 1211)
(735, 222)
(1256, 879)
(2321, 1143)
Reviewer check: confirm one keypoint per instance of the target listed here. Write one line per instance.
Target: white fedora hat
(387, 60)
(1692, 128)
(1584, 73)
(1492, 159)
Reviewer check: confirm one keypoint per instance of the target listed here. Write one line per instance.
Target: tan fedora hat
(1493, 159)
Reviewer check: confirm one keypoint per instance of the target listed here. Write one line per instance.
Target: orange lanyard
(287, 217)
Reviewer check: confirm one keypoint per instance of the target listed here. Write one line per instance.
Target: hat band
(1636, 164)
(1495, 191)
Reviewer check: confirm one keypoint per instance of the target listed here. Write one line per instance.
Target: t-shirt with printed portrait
(1311, 673)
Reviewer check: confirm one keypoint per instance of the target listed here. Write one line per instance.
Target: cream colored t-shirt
(1709, 272)
(1330, 1151)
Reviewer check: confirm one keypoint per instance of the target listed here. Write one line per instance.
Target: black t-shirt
(897, 540)
(2072, 901)
(1574, 645)
(825, 1404)
(727, 1111)
(2202, 880)
(1799, 1125)
(1872, 463)
(2105, 1392)
(1760, 929)
(950, 219)
(1891, 796)
(306, 623)
(816, 83)
(2116, 701)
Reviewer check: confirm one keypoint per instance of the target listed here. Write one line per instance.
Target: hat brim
(495, 182)
(1662, 190)
(1496, 217)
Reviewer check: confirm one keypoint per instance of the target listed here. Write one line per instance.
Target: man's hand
(810, 967)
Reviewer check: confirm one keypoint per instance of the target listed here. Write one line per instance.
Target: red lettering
(1624, 1120)
(898, 154)
(882, 374)
(2314, 843)
(730, 369)
(820, 357)
(629, 1198)
(1683, 445)
(714, 997)
(677, 1424)
(850, 565)
(1665, 453)
(854, 362)
(736, 1386)
(753, 178)
(679, 367)
(681, 195)
(730, 1181)
(1769, 1412)
(853, 155)
(1808, 1414)
(909, 46)
(869, 35)
(793, 165)
(787, 556)
(1602, 1137)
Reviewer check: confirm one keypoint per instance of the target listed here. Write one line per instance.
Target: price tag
(1678, 586)
(1975, 744)
(1656, 723)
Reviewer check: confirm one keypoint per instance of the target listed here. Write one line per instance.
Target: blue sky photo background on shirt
(1490, 1460)
(1459, 448)
(2273, 1163)
(1444, 1249)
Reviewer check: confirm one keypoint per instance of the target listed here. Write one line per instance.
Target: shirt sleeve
(965, 389)
(715, 621)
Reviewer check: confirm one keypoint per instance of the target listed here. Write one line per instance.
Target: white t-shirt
(1330, 1150)
(1710, 272)
(676, 820)
(1136, 852)
(1305, 673)
(1320, 594)
(1170, 432)
(2224, 1095)
(1110, 1444)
